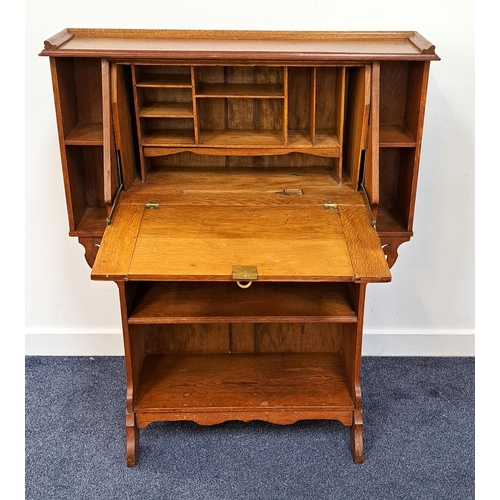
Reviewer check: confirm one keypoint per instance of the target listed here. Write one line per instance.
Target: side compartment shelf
(403, 90)
(79, 108)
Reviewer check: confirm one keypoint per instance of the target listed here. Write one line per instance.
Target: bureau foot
(357, 437)
(132, 437)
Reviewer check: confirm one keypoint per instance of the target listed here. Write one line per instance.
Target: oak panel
(118, 243)
(367, 257)
(184, 338)
(189, 243)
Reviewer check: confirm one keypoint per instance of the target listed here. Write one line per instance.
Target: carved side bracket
(91, 246)
(390, 247)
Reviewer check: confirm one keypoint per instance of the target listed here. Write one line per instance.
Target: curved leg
(132, 436)
(357, 437)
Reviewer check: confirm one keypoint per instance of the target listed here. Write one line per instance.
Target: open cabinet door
(112, 175)
(356, 120)
(370, 182)
(122, 104)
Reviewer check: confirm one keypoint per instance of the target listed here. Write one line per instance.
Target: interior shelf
(241, 138)
(395, 136)
(92, 224)
(323, 139)
(165, 81)
(169, 137)
(247, 138)
(85, 134)
(234, 141)
(256, 383)
(209, 302)
(167, 110)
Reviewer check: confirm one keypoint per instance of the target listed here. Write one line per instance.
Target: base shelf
(278, 387)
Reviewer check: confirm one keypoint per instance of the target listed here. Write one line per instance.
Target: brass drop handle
(244, 275)
(246, 285)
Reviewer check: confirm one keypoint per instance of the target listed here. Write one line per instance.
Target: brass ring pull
(247, 285)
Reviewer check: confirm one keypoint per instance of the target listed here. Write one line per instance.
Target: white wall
(429, 306)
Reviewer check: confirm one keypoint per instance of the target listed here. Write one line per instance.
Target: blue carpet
(418, 439)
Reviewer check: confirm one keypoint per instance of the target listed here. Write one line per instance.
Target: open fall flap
(285, 243)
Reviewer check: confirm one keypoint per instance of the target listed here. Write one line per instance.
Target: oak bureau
(241, 189)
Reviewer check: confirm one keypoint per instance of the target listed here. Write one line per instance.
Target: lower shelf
(219, 302)
(280, 388)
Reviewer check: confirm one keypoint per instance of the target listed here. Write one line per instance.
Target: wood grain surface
(245, 385)
(117, 245)
(191, 241)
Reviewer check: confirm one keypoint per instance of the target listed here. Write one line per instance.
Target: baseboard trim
(40, 342)
(419, 343)
(74, 343)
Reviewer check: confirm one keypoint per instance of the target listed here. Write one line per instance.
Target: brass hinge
(368, 207)
(244, 273)
(330, 205)
(152, 204)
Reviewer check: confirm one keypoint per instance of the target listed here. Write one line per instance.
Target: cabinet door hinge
(152, 204)
(330, 205)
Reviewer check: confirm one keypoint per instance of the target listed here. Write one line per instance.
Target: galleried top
(191, 45)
